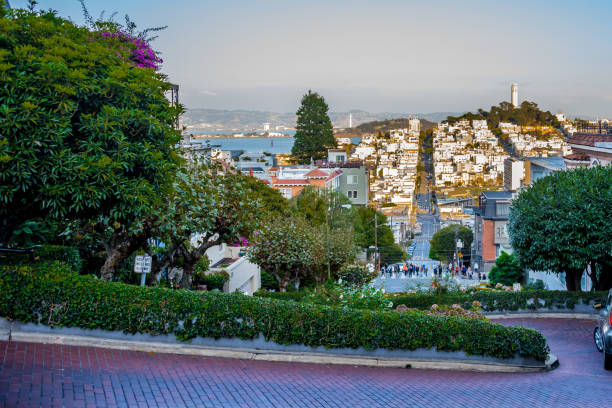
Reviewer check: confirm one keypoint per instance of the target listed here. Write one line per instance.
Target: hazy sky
(401, 56)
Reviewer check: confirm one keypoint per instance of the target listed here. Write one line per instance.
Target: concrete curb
(277, 356)
(545, 315)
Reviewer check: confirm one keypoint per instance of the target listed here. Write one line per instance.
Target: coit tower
(514, 95)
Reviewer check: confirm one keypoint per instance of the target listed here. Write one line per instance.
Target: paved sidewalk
(33, 375)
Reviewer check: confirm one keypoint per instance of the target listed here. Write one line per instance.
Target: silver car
(603, 332)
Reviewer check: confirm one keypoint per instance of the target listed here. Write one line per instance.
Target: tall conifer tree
(314, 133)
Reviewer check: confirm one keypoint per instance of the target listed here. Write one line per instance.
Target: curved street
(33, 375)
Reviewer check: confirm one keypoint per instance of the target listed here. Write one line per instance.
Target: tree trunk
(572, 280)
(112, 258)
(121, 248)
(188, 269)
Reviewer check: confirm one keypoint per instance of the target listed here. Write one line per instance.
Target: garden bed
(54, 296)
(540, 301)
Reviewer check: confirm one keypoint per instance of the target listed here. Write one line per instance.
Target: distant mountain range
(243, 120)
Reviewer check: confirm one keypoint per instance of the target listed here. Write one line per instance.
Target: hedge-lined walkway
(54, 375)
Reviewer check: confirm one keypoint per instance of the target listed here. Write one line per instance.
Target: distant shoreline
(234, 136)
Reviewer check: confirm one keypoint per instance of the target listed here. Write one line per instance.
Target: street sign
(142, 264)
(460, 255)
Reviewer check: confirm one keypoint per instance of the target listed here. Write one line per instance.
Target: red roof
(589, 139)
(316, 173)
(334, 175)
(577, 157)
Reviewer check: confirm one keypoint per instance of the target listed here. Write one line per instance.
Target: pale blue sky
(401, 56)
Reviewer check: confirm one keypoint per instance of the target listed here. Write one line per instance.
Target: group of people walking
(410, 270)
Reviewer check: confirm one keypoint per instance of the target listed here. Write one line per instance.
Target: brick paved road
(33, 375)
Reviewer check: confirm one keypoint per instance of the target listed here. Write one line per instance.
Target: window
(286, 192)
(351, 179)
(502, 209)
(352, 194)
(340, 159)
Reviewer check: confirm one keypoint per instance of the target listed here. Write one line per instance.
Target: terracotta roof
(334, 175)
(290, 182)
(589, 139)
(577, 157)
(316, 173)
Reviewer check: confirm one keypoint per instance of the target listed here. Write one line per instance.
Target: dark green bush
(356, 275)
(56, 297)
(268, 281)
(47, 253)
(506, 270)
(214, 280)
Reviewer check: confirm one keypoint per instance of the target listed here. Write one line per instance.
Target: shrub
(268, 282)
(506, 270)
(490, 300)
(355, 275)
(54, 297)
(214, 280)
(538, 284)
(48, 253)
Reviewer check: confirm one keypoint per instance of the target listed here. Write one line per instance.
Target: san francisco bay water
(272, 145)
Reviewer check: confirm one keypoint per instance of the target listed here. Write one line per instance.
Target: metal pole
(143, 277)
(376, 242)
(328, 244)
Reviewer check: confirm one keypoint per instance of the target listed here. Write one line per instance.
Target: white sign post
(142, 265)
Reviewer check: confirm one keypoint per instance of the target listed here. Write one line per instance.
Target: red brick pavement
(37, 375)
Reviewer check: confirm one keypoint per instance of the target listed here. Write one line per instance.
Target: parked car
(603, 332)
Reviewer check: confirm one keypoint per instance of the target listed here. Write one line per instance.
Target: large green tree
(85, 133)
(314, 132)
(443, 242)
(332, 215)
(286, 248)
(564, 222)
(206, 207)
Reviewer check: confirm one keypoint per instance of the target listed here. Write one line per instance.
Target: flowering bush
(364, 297)
(141, 53)
(435, 310)
(242, 242)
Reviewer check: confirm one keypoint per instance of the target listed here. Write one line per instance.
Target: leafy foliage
(506, 270)
(54, 298)
(355, 275)
(286, 248)
(314, 132)
(564, 222)
(45, 254)
(84, 134)
(214, 280)
(364, 226)
(443, 242)
(527, 114)
(491, 301)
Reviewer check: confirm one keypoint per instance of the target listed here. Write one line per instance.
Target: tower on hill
(514, 95)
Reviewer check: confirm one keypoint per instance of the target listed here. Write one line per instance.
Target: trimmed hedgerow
(55, 297)
(491, 301)
(47, 253)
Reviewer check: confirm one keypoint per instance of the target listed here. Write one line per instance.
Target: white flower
(390, 304)
(341, 296)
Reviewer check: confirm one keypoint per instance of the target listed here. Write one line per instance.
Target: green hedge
(47, 253)
(214, 280)
(53, 296)
(490, 301)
